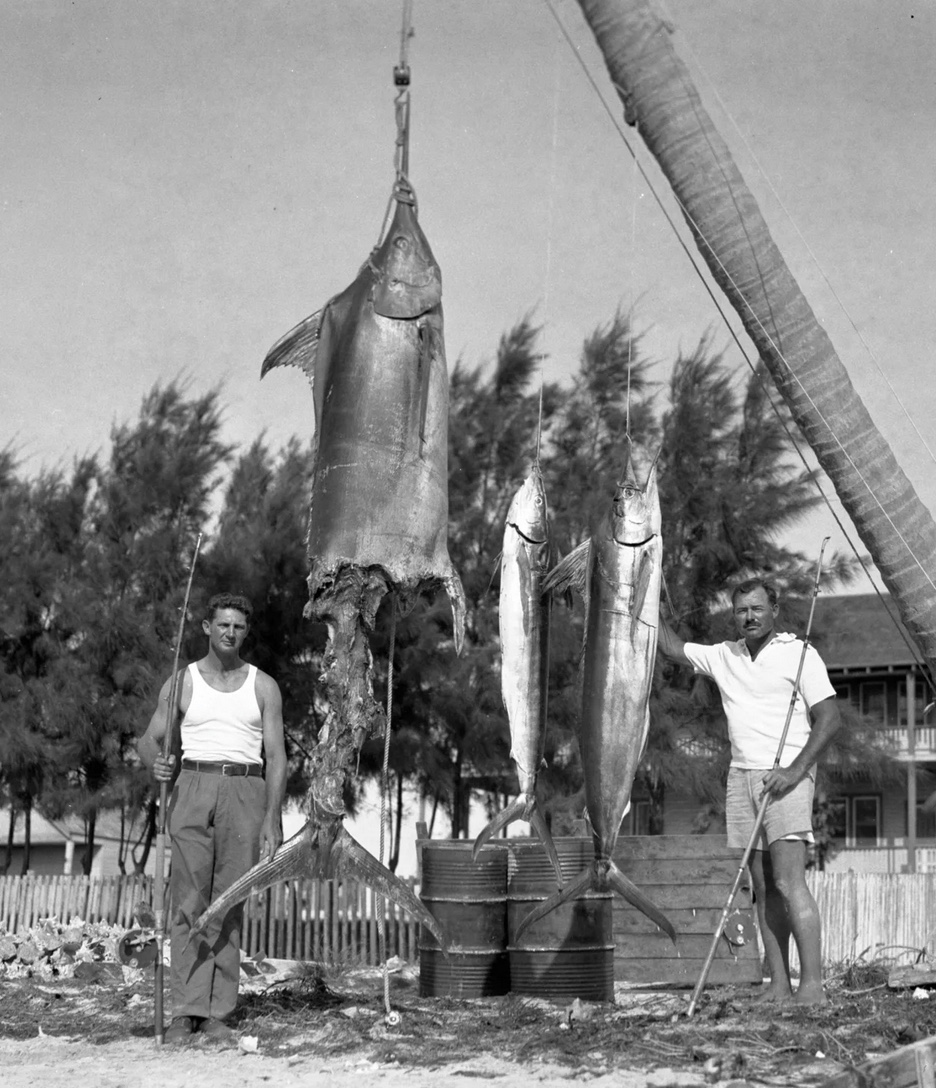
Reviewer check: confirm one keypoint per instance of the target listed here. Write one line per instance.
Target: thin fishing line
(716, 302)
(669, 219)
(817, 264)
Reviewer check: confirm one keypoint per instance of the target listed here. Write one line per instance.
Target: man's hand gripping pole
(159, 892)
(757, 828)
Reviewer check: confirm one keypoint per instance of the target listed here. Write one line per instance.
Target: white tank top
(222, 726)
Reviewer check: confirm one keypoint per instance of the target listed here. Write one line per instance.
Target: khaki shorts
(786, 818)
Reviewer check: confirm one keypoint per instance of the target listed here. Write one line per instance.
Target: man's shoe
(179, 1031)
(213, 1029)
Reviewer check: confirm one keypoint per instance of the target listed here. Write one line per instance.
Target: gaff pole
(159, 893)
(757, 828)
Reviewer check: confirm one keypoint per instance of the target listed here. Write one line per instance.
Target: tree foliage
(94, 566)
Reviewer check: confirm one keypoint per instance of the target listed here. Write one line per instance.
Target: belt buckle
(231, 769)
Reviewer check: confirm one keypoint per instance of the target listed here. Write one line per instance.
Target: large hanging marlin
(378, 519)
(618, 571)
(524, 634)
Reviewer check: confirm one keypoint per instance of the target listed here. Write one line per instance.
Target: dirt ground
(329, 1030)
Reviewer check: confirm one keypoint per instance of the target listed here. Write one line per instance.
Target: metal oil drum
(468, 901)
(569, 952)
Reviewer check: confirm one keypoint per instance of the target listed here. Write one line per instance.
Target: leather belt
(222, 768)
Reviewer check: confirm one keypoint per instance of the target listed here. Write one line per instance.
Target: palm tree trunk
(660, 99)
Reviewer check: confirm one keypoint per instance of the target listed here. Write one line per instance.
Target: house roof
(859, 630)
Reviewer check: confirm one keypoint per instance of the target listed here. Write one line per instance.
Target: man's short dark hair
(229, 601)
(749, 585)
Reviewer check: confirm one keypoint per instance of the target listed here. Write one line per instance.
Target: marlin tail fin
(524, 808)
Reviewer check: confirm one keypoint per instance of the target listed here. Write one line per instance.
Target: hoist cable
(755, 159)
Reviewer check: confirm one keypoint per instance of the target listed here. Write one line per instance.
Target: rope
(669, 219)
(385, 792)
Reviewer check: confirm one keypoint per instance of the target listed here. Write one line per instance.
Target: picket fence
(309, 920)
(872, 916)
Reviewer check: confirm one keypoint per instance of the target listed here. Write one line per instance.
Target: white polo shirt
(756, 695)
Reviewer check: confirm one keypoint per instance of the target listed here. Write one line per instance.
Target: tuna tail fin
(349, 857)
(586, 880)
(298, 348)
(524, 808)
(616, 880)
(601, 874)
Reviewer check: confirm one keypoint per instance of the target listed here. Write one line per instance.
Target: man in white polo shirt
(756, 675)
(224, 813)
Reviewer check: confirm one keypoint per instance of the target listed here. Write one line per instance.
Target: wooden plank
(688, 946)
(315, 910)
(700, 897)
(912, 976)
(629, 921)
(680, 872)
(911, 1065)
(334, 947)
(686, 971)
(629, 848)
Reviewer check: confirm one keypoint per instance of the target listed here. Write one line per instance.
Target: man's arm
(671, 643)
(825, 723)
(275, 756)
(150, 743)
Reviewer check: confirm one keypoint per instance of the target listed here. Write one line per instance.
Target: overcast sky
(182, 182)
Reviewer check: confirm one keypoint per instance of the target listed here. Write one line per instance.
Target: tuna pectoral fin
(298, 347)
(524, 808)
(616, 880)
(584, 881)
(571, 571)
(349, 857)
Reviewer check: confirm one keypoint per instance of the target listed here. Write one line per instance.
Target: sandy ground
(63, 1062)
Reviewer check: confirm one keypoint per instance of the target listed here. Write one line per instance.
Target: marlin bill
(524, 636)
(618, 572)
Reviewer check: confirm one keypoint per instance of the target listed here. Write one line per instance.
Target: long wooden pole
(757, 828)
(159, 893)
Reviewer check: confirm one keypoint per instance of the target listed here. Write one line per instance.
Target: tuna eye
(400, 242)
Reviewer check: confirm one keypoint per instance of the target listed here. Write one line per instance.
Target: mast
(660, 99)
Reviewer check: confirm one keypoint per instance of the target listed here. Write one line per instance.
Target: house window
(873, 700)
(847, 693)
(640, 813)
(919, 703)
(856, 819)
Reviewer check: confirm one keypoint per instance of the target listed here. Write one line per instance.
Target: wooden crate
(689, 878)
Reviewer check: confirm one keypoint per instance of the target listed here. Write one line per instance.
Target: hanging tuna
(523, 632)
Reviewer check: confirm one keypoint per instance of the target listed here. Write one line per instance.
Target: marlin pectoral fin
(640, 591)
(571, 571)
(457, 598)
(584, 881)
(616, 880)
(349, 857)
(424, 365)
(298, 348)
(299, 858)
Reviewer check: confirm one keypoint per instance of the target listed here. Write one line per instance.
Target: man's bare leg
(803, 918)
(773, 923)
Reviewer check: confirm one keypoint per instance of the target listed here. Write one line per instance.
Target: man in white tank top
(224, 814)
(756, 675)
